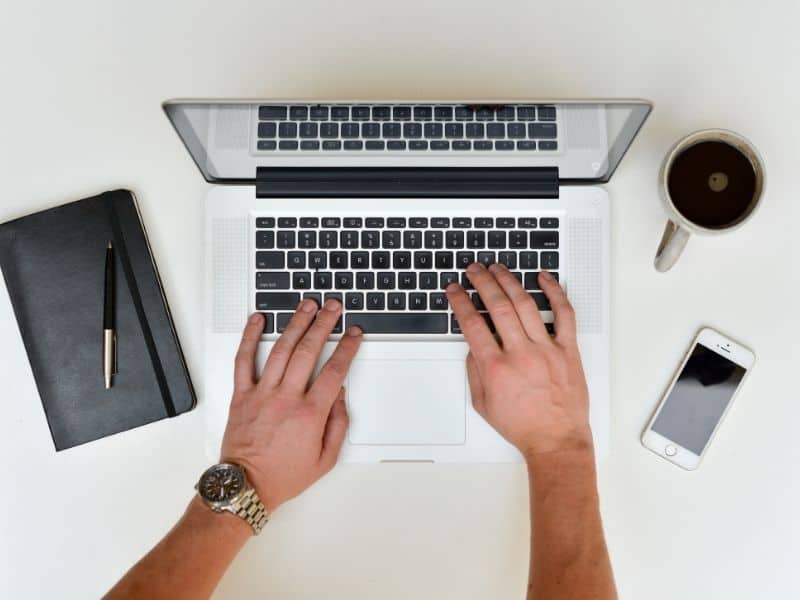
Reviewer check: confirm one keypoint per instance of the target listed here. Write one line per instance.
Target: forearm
(190, 560)
(569, 558)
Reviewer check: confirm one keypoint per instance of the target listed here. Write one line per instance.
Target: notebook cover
(53, 265)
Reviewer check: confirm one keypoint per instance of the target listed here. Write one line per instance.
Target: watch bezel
(220, 505)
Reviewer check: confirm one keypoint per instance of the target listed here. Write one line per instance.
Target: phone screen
(698, 399)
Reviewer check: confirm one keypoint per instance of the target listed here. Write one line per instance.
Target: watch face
(221, 483)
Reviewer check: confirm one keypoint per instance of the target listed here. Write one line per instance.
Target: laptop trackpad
(418, 402)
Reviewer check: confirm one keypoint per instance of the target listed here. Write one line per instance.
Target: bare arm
(283, 431)
(532, 390)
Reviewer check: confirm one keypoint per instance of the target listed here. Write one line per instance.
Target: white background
(80, 88)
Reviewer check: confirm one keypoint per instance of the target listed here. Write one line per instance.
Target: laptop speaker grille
(586, 273)
(229, 273)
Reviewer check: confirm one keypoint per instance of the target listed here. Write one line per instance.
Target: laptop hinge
(394, 182)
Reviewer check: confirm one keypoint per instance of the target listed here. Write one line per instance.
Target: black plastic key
(272, 281)
(270, 260)
(398, 323)
(277, 300)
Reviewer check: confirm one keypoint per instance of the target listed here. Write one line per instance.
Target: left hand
(283, 429)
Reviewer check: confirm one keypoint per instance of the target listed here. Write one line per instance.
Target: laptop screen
(229, 140)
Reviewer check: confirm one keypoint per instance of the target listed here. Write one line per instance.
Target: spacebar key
(398, 323)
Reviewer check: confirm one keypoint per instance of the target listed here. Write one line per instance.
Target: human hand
(283, 431)
(529, 387)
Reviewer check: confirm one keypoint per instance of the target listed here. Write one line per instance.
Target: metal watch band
(249, 507)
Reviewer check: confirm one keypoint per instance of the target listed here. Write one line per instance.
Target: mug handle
(672, 243)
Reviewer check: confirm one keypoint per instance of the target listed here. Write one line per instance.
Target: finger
(306, 353)
(335, 430)
(283, 348)
(504, 315)
(476, 386)
(331, 377)
(523, 303)
(481, 341)
(563, 313)
(244, 365)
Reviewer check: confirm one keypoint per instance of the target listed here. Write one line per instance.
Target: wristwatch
(224, 487)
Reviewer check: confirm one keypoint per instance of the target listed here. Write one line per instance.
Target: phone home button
(670, 450)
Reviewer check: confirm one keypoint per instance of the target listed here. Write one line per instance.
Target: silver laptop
(381, 205)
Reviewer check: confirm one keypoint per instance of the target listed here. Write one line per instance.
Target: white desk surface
(81, 87)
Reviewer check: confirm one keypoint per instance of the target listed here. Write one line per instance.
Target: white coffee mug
(679, 228)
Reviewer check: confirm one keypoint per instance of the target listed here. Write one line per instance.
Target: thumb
(335, 430)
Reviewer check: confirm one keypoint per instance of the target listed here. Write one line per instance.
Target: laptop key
(307, 239)
(462, 222)
(487, 258)
(412, 239)
(464, 113)
(340, 113)
(423, 113)
(309, 145)
(428, 280)
(549, 260)
(301, 280)
(282, 320)
(395, 145)
(396, 301)
(542, 130)
(390, 239)
(374, 222)
(526, 145)
(370, 130)
(505, 113)
(267, 145)
(474, 130)
(443, 113)
(476, 239)
(266, 113)
(354, 301)
(331, 145)
(423, 260)
(509, 259)
(296, 260)
(440, 222)
(381, 113)
(412, 130)
(270, 260)
(496, 130)
(319, 113)
(412, 323)
(338, 260)
(544, 239)
(440, 145)
(396, 222)
(329, 130)
(309, 130)
(265, 239)
(361, 113)
(277, 300)
(542, 303)
(353, 222)
(269, 322)
(438, 301)
(454, 130)
(454, 239)
(418, 301)
(526, 222)
(548, 145)
(401, 113)
(315, 296)
(376, 301)
(370, 239)
(272, 281)
(265, 222)
(407, 280)
(353, 145)
(464, 259)
(547, 113)
(328, 239)
(484, 222)
(505, 222)
(287, 222)
(482, 145)
(484, 114)
(309, 222)
(267, 130)
(417, 145)
(287, 145)
(504, 145)
(461, 145)
(350, 130)
(365, 280)
(548, 222)
(391, 130)
(446, 278)
(444, 260)
(374, 145)
(298, 113)
(526, 113)
(516, 130)
(343, 280)
(287, 130)
(359, 260)
(323, 280)
(386, 281)
(433, 130)
(517, 239)
(380, 260)
(401, 260)
(348, 239)
(434, 239)
(528, 260)
(286, 239)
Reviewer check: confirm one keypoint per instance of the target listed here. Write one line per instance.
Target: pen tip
(109, 245)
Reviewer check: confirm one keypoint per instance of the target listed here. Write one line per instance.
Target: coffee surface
(712, 184)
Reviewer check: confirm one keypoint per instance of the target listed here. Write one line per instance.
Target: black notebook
(53, 263)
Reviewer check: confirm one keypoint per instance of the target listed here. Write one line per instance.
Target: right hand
(529, 387)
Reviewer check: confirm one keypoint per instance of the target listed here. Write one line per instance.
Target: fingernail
(354, 331)
(308, 306)
(255, 318)
(475, 267)
(546, 275)
(332, 305)
(452, 287)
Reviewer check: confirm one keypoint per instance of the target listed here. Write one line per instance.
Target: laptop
(381, 204)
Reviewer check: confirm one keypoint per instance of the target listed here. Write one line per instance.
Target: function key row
(413, 145)
(406, 113)
(402, 222)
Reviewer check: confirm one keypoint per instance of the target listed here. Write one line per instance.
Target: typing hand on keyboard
(529, 386)
(285, 433)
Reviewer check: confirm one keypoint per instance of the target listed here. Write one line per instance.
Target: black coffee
(712, 184)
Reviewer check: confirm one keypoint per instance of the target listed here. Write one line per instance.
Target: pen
(109, 335)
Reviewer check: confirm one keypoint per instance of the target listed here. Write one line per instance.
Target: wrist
(576, 452)
(223, 525)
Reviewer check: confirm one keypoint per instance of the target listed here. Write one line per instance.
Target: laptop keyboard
(390, 272)
(407, 128)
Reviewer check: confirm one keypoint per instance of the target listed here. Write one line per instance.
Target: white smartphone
(697, 399)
